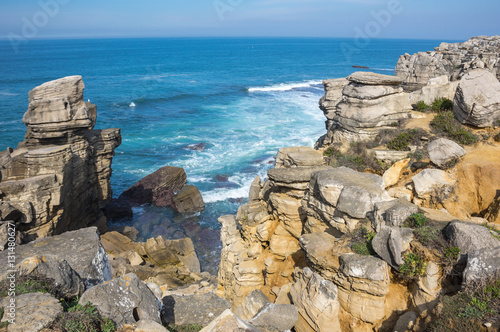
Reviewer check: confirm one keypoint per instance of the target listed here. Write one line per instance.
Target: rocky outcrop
(58, 178)
(165, 187)
(444, 150)
(124, 300)
(370, 102)
(81, 249)
(453, 60)
(477, 101)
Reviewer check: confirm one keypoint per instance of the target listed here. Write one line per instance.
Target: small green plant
(476, 308)
(416, 220)
(86, 318)
(428, 236)
(452, 253)
(362, 239)
(402, 141)
(357, 158)
(442, 104)
(29, 284)
(445, 123)
(495, 232)
(421, 106)
(413, 266)
(332, 152)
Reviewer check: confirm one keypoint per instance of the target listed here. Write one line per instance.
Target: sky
(411, 19)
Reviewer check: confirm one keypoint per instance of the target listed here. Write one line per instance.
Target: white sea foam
(285, 86)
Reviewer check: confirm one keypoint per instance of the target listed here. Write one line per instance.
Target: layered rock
(370, 102)
(58, 178)
(453, 60)
(477, 101)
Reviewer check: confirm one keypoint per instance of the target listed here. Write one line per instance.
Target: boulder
(189, 200)
(483, 265)
(251, 305)
(469, 237)
(443, 150)
(390, 242)
(438, 87)
(392, 213)
(429, 180)
(317, 301)
(33, 311)
(477, 101)
(124, 300)
(58, 179)
(165, 253)
(392, 175)
(276, 317)
(298, 156)
(227, 321)
(81, 249)
(158, 188)
(405, 322)
(145, 325)
(255, 187)
(67, 281)
(197, 309)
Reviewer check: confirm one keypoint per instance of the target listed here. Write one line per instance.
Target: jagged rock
(227, 321)
(251, 305)
(482, 266)
(61, 171)
(370, 102)
(81, 249)
(276, 317)
(333, 95)
(317, 301)
(193, 309)
(452, 60)
(189, 200)
(344, 196)
(405, 322)
(477, 101)
(363, 283)
(429, 180)
(390, 242)
(443, 150)
(392, 213)
(33, 312)
(158, 188)
(393, 174)
(117, 243)
(124, 300)
(478, 181)
(67, 281)
(255, 187)
(145, 325)
(469, 237)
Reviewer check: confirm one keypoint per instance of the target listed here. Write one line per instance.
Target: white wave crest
(285, 86)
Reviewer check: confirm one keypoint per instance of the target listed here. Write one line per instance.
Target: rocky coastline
(391, 223)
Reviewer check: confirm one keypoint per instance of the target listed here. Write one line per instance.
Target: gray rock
(149, 326)
(199, 309)
(82, 250)
(33, 311)
(443, 150)
(477, 101)
(333, 95)
(405, 322)
(298, 156)
(390, 242)
(251, 305)
(68, 282)
(374, 79)
(363, 267)
(124, 300)
(392, 213)
(253, 195)
(227, 321)
(482, 266)
(430, 180)
(469, 237)
(276, 317)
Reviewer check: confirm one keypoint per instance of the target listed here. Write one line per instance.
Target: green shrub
(413, 266)
(421, 106)
(80, 318)
(29, 284)
(446, 124)
(357, 158)
(332, 152)
(416, 220)
(362, 241)
(403, 140)
(442, 104)
(452, 253)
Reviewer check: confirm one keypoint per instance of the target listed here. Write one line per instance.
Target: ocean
(242, 98)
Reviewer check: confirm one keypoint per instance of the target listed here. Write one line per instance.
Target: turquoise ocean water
(244, 98)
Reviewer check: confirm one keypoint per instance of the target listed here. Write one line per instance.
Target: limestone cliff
(58, 178)
(453, 60)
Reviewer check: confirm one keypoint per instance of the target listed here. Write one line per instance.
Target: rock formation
(58, 178)
(453, 60)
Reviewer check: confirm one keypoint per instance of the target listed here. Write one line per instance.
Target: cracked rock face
(58, 178)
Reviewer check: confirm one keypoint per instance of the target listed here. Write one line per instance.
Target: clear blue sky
(428, 19)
